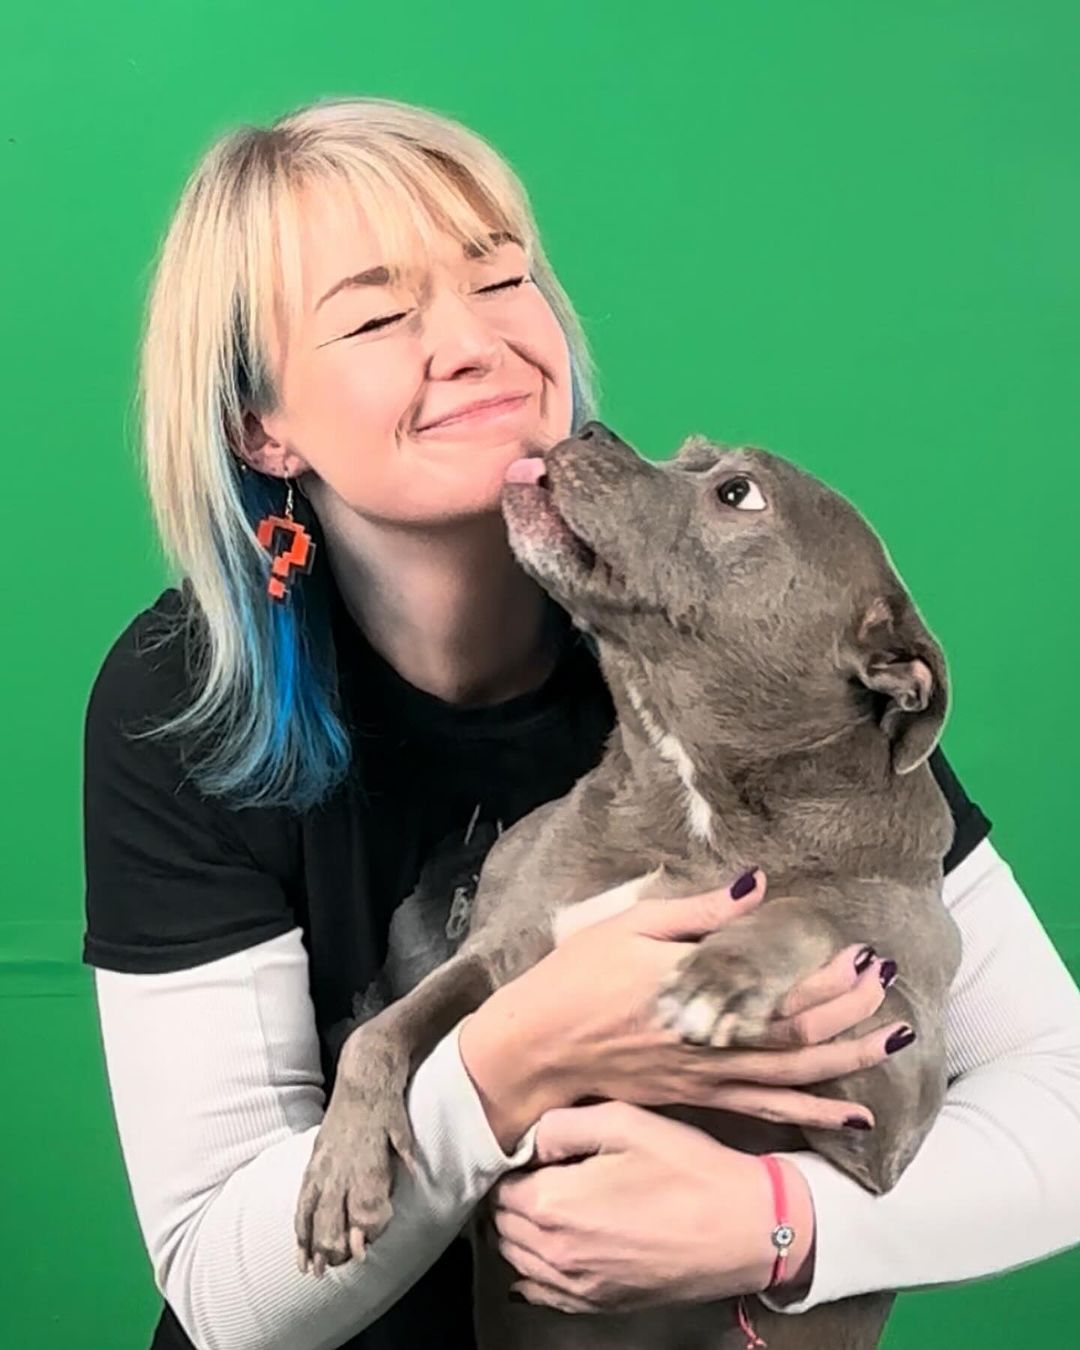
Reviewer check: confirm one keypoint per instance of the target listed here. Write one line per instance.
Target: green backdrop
(846, 231)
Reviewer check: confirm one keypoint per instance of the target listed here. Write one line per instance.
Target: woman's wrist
(505, 1048)
(798, 1270)
(730, 1241)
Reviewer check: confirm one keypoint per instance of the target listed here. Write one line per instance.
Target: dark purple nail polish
(888, 973)
(744, 885)
(863, 959)
(857, 1123)
(901, 1036)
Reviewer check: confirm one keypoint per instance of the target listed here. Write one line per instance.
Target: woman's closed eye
(509, 284)
(385, 320)
(373, 325)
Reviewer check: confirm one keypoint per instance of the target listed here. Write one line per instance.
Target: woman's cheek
(345, 439)
(370, 404)
(538, 337)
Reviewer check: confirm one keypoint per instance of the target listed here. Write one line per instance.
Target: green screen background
(846, 231)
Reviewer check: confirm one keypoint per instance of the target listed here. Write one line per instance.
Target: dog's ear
(893, 655)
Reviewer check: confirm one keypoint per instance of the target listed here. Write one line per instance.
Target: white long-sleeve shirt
(216, 1085)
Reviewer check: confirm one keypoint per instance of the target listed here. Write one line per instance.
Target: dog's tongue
(529, 470)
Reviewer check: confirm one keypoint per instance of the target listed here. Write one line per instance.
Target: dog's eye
(742, 493)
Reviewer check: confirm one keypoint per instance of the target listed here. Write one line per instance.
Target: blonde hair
(226, 289)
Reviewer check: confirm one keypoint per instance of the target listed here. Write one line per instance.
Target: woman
(277, 785)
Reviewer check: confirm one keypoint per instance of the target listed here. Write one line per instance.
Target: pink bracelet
(782, 1236)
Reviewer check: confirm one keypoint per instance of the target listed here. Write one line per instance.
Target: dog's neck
(718, 793)
(653, 743)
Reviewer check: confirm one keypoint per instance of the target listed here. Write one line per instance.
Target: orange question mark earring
(292, 556)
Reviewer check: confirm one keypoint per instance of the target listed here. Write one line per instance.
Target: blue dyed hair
(278, 738)
(302, 750)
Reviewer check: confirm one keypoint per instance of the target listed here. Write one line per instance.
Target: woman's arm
(211, 1046)
(996, 1184)
(215, 1079)
(652, 1210)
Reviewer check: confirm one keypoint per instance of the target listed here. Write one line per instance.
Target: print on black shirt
(430, 923)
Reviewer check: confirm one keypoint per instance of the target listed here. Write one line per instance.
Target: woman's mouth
(503, 410)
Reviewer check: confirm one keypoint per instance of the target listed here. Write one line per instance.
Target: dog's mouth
(543, 537)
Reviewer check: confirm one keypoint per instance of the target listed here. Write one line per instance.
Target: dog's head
(737, 601)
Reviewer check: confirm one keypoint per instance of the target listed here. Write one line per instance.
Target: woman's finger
(814, 1063)
(532, 1266)
(568, 1132)
(695, 916)
(573, 918)
(787, 1106)
(512, 1226)
(836, 977)
(836, 1015)
(534, 1292)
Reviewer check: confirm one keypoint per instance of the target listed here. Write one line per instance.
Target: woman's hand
(630, 1209)
(581, 1023)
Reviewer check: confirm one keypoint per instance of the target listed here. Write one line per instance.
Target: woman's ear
(259, 448)
(893, 655)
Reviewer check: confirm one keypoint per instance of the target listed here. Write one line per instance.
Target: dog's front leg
(729, 989)
(344, 1199)
(730, 986)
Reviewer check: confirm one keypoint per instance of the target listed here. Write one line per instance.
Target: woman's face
(374, 372)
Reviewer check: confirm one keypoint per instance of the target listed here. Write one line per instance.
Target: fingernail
(888, 973)
(901, 1036)
(863, 959)
(857, 1123)
(744, 885)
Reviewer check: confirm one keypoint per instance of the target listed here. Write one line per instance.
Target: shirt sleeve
(215, 1081)
(970, 824)
(172, 878)
(996, 1183)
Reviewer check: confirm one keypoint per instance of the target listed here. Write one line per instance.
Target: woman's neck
(448, 607)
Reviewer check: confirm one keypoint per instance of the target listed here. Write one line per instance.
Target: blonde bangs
(409, 200)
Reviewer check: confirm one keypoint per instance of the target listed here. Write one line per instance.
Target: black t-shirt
(175, 879)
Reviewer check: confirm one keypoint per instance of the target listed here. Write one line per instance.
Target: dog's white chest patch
(698, 810)
(571, 918)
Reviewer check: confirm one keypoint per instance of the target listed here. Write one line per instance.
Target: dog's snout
(601, 434)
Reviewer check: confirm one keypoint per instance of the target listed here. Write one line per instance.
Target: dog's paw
(719, 996)
(344, 1199)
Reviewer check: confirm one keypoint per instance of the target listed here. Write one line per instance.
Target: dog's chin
(550, 550)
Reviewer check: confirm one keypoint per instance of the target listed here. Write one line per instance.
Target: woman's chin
(473, 484)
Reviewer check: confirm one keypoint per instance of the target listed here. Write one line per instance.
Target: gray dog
(777, 699)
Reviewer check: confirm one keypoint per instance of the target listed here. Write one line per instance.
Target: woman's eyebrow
(380, 275)
(374, 276)
(493, 241)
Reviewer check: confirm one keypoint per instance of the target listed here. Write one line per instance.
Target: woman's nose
(458, 337)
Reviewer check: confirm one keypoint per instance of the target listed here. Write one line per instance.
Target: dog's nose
(596, 431)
